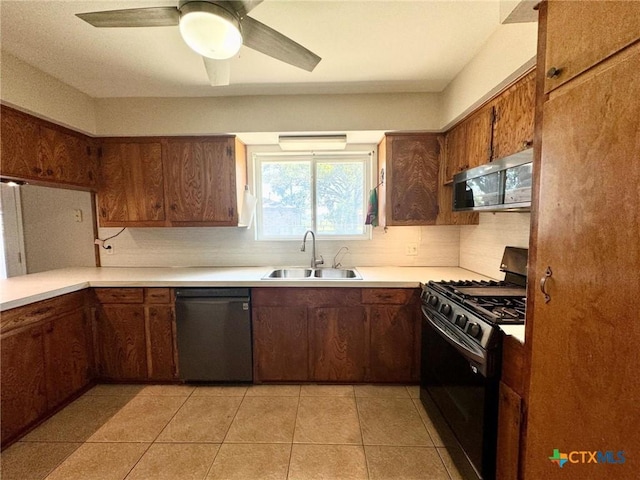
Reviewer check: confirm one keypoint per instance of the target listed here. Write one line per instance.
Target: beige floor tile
(404, 463)
(100, 461)
(141, 420)
(414, 391)
(33, 461)
(399, 391)
(327, 420)
(439, 431)
(391, 421)
(273, 391)
(175, 461)
(326, 390)
(116, 389)
(219, 391)
(264, 420)
(79, 420)
(201, 419)
(457, 464)
(168, 390)
(344, 462)
(266, 461)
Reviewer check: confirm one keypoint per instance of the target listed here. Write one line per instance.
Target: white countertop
(26, 289)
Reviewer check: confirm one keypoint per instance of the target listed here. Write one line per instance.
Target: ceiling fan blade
(242, 7)
(219, 71)
(266, 40)
(133, 17)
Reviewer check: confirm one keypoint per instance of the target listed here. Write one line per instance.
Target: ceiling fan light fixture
(210, 30)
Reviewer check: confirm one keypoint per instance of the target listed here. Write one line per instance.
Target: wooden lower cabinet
(134, 332)
(45, 360)
(336, 335)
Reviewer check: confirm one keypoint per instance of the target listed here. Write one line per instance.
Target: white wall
(437, 246)
(52, 237)
(482, 245)
(33, 91)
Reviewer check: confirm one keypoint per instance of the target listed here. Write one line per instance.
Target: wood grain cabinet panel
(201, 181)
(509, 426)
(121, 342)
(24, 394)
(131, 189)
(160, 342)
(280, 344)
(585, 22)
(65, 157)
(412, 179)
(19, 143)
(338, 345)
(514, 116)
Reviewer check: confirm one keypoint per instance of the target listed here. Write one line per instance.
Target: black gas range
(462, 353)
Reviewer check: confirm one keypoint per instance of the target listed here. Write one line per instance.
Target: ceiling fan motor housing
(210, 29)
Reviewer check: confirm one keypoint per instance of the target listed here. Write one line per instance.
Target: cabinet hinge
(229, 152)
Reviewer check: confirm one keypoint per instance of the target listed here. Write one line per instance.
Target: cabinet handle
(543, 285)
(37, 170)
(49, 172)
(174, 206)
(39, 312)
(527, 143)
(554, 72)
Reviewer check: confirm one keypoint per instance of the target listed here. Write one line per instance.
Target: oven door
(466, 399)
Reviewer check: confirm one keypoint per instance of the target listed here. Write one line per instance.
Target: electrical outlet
(109, 250)
(77, 215)
(412, 249)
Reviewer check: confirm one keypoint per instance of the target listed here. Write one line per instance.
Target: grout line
(293, 435)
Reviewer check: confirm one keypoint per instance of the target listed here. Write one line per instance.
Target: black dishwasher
(214, 334)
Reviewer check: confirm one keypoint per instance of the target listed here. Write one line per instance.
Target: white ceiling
(366, 47)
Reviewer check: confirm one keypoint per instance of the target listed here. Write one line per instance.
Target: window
(322, 192)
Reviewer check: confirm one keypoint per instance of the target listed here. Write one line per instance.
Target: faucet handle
(319, 262)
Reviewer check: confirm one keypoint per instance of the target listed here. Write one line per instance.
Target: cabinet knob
(554, 72)
(49, 172)
(527, 144)
(174, 206)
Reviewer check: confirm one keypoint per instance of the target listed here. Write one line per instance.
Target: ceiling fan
(216, 29)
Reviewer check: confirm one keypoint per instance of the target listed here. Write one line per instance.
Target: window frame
(365, 153)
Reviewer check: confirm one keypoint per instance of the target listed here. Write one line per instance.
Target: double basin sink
(301, 273)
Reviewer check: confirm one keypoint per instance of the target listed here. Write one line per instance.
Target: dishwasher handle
(196, 292)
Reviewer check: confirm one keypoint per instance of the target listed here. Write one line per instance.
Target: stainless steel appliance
(461, 354)
(213, 327)
(504, 184)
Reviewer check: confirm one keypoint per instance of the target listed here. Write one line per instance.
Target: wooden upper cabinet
(42, 152)
(514, 116)
(19, 143)
(412, 179)
(584, 21)
(131, 188)
(468, 144)
(200, 177)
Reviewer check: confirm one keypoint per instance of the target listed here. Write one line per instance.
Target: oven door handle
(453, 339)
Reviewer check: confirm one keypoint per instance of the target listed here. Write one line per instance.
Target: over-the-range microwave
(503, 185)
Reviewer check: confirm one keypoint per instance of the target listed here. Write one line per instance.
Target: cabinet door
(514, 111)
(413, 163)
(19, 142)
(338, 344)
(132, 184)
(24, 397)
(65, 158)
(160, 328)
(600, 29)
(509, 420)
(456, 151)
(394, 353)
(67, 357)
(121, 342)
(201, 181)
(280, 345)
(585, 338)
(478, 137)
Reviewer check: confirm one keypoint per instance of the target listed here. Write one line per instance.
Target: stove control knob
(474, 330)
(446, 309)
(433, 300)
(461, 321)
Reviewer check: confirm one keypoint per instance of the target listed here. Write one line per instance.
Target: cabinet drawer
(389, 296)
(39, 311)
(119, 295)
(157, 295)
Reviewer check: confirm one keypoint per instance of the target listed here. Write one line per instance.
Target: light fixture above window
(312, 142)
(210, 30)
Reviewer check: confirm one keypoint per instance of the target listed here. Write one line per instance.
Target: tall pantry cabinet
(583, 303)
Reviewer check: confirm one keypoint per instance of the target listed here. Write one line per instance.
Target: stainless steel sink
(301, 273)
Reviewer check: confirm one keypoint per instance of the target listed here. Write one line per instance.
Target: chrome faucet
(337, 264)
(314, 262)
